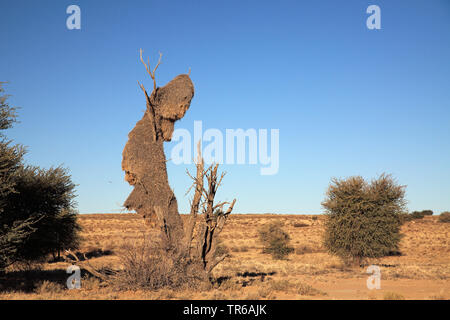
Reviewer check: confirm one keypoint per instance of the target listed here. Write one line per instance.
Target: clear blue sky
(347, 100)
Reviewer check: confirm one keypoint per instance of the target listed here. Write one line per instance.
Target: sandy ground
(422, 271)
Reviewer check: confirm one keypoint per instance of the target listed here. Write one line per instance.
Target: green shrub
(36, 206)
(11, 156)
(275, 241)
(405, 217)
(444, 216)
(363, 219)
(417, 215)
(46, 197)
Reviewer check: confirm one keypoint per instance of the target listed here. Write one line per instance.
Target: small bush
(404, 217)
(265, 292)
(48, 287)
(300, 225)
(444, 217)
(417, 215)
(420, 214)
(275, 241)
(305, 249)
(305, 289)
(149, 268)
(239, 249)
(393, 296)
(281, 285)
(221, 249)
(229, 284)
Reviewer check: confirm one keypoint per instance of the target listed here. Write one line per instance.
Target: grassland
(422, 271)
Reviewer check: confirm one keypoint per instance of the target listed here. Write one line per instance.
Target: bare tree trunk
(195, 204)
(144, 164)
(214, 217)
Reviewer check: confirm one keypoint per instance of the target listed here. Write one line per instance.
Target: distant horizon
(234, 213)
(240, 213)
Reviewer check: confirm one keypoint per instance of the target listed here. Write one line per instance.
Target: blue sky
(347, 100)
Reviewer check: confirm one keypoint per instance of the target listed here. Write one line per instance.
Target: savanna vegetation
(121, 256)
(37, 208)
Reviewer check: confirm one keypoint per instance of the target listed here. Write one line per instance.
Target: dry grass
(422, 271)
(393, 296)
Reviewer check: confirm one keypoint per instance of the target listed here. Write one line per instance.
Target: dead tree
(144, 164)
(213, 215)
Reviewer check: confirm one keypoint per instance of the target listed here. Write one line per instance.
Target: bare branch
(215, 262)
(198, 182)
(86, 265)
(222, 219)
(148, 69)
(219, 205)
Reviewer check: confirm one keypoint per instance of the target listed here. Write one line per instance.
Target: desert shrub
(275, 240)
(417, 215)
(46, 196)
(265, 292)
(10, 160)
(420, 214)
(444, 216)
(221, 248)
(300, 225)
(393, 296)
(36, 205)
(243, 249)
(229, 284)
(281, 285)
(405, 217)
(49, 287)
(363, 219)
(302, 249)
(305, 289)
(148, 267)
(239, 249)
